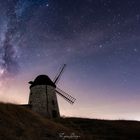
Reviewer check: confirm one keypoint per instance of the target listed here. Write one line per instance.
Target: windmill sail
(57, 77)
(65, 95)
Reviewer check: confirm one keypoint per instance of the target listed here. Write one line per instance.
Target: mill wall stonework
(43, 100)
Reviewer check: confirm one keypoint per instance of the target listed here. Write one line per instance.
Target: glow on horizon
(95, 106)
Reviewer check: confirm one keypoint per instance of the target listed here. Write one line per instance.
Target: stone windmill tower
(43, 99)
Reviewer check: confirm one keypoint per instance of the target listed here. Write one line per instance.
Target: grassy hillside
(104, 129)
(18, 123)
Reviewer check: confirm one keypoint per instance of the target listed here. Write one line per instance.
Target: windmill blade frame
(65, 95)
(57, 77)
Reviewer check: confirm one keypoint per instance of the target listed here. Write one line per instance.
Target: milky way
(16, 14)
(9, 52)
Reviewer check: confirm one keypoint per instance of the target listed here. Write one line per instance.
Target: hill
(18, 123)
(104, 129)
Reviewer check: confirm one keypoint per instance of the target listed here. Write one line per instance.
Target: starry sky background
(99, 40)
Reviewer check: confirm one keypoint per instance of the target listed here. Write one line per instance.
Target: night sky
(99, 40)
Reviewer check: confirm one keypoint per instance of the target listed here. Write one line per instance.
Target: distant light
(135, 50)
(1, 71)
(47, 5)
(100, 46)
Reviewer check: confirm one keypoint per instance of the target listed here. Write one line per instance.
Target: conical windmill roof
(42, 80)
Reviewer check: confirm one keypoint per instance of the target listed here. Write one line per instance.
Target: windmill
(43, 99)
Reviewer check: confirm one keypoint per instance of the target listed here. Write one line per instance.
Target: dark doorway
(53, 102)
(54, 114)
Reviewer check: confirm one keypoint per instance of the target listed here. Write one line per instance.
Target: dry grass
(104, 129)
(18, 123)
